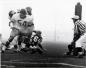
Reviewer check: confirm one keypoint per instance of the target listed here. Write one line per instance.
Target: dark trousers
(9, 40)
(72, 45)
(24, 38)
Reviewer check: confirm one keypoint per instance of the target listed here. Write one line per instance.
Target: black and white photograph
(43, 33)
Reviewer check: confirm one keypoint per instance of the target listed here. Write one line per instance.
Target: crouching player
(35, 42)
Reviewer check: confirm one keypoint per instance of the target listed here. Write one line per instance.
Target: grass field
(53, 57)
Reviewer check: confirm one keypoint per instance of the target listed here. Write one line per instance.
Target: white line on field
(7, 66)
(23, 60)
(72, 65)
(65, 64)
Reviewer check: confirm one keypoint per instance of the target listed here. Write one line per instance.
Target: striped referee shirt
(80, 27)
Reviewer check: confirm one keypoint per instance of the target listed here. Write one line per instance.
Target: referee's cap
(76, 17)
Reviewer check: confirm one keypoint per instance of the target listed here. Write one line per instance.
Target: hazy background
(52, 17)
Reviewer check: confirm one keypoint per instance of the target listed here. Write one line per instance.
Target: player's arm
(11, 22)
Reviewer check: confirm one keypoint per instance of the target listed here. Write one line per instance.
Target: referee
(79, 30)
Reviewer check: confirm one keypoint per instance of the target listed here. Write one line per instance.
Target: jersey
(35, 39)
(80, 27)
(28, 24)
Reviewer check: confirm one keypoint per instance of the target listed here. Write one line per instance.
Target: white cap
(76, 17)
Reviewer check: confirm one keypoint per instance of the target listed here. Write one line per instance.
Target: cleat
(24, 50)
(84, 52)
(80, 56)
(67, 53)
(2, 51)
(32, 52)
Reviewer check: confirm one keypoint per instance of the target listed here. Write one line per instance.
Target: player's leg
(19, 42)
(14, 32)
(72, 45)
(27, 40)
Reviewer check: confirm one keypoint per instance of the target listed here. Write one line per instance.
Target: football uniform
(23, 25)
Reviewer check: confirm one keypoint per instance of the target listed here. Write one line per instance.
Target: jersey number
(22, 23)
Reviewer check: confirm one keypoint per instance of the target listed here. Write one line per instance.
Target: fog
(52, 17)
